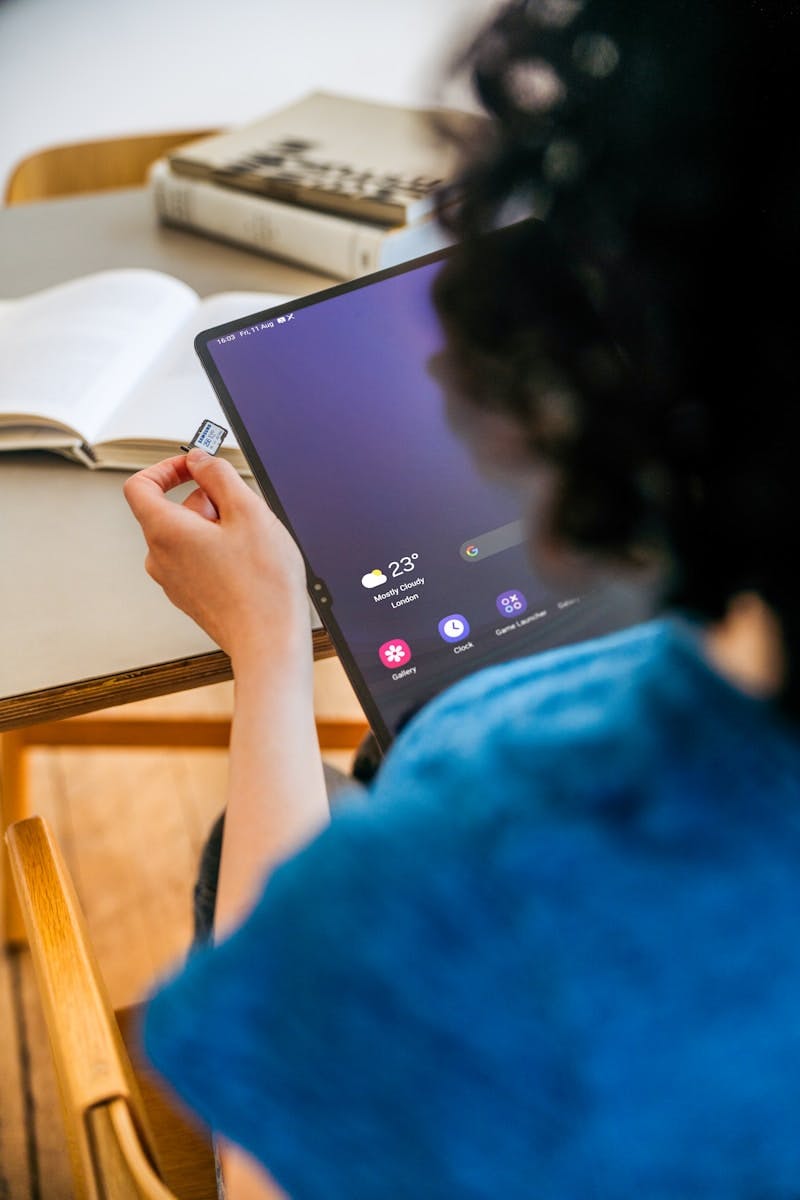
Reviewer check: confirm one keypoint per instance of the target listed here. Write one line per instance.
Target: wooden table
(82, 627)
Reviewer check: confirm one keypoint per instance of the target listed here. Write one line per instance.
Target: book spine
(332, 245)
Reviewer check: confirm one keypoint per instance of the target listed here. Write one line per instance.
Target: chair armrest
(120, 1160)
(91, 1062)
(100, 1094)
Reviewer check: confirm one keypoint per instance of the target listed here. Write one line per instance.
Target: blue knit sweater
(556, 957)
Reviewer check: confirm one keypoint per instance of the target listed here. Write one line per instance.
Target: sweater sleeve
(341, 1034)
(256, 1034)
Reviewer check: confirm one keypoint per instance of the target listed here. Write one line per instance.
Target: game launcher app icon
(511, 604)
(395, 653)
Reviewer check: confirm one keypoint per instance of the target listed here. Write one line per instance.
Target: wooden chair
(125, 1140)
(91, 166)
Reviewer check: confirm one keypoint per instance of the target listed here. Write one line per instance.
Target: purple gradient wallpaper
(349, 428)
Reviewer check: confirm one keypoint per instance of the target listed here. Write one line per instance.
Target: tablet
(417, 566)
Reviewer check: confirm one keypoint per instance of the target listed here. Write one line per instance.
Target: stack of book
(340, 185)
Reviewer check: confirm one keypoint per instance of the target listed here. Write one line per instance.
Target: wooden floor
(131, 824)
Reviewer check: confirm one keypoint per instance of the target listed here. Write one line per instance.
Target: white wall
(75, 69)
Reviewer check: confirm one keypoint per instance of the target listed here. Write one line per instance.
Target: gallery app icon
(511, 604)
(454, 628)
(395, 653)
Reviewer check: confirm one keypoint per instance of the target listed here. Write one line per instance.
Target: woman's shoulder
(561, 696)
(610, 715)
(557, 676)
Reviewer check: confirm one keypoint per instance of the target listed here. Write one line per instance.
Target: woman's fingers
(146, 491)
(199, 503)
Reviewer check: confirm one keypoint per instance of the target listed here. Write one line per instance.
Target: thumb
(218, 479)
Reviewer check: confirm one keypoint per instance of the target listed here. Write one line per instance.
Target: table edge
(140, 683)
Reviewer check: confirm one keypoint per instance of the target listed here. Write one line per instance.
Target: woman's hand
(222, 556)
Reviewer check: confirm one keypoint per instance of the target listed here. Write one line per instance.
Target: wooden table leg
(13, 807)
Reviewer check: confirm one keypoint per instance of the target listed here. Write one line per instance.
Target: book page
(175, 395)
(70, 353)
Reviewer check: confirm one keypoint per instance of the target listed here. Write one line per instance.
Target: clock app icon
(454, 628)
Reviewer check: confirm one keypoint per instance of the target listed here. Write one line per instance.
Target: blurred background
(80, 69)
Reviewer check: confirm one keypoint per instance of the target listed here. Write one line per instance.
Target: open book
(103, 369)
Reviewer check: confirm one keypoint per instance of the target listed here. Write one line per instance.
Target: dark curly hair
(643, 333)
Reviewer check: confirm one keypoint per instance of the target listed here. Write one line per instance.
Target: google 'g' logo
(471, 551)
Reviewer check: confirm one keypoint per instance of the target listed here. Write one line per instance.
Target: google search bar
(493, 542)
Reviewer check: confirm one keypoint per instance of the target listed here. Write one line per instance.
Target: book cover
(375, 162)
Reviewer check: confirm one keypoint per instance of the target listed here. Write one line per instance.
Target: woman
(556, 955)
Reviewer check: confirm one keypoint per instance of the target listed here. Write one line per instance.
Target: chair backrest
(111, 1146)
(91, 166)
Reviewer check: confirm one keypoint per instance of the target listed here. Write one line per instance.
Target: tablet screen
(417, 565)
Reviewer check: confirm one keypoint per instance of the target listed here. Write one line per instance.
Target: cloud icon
(373, 578)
